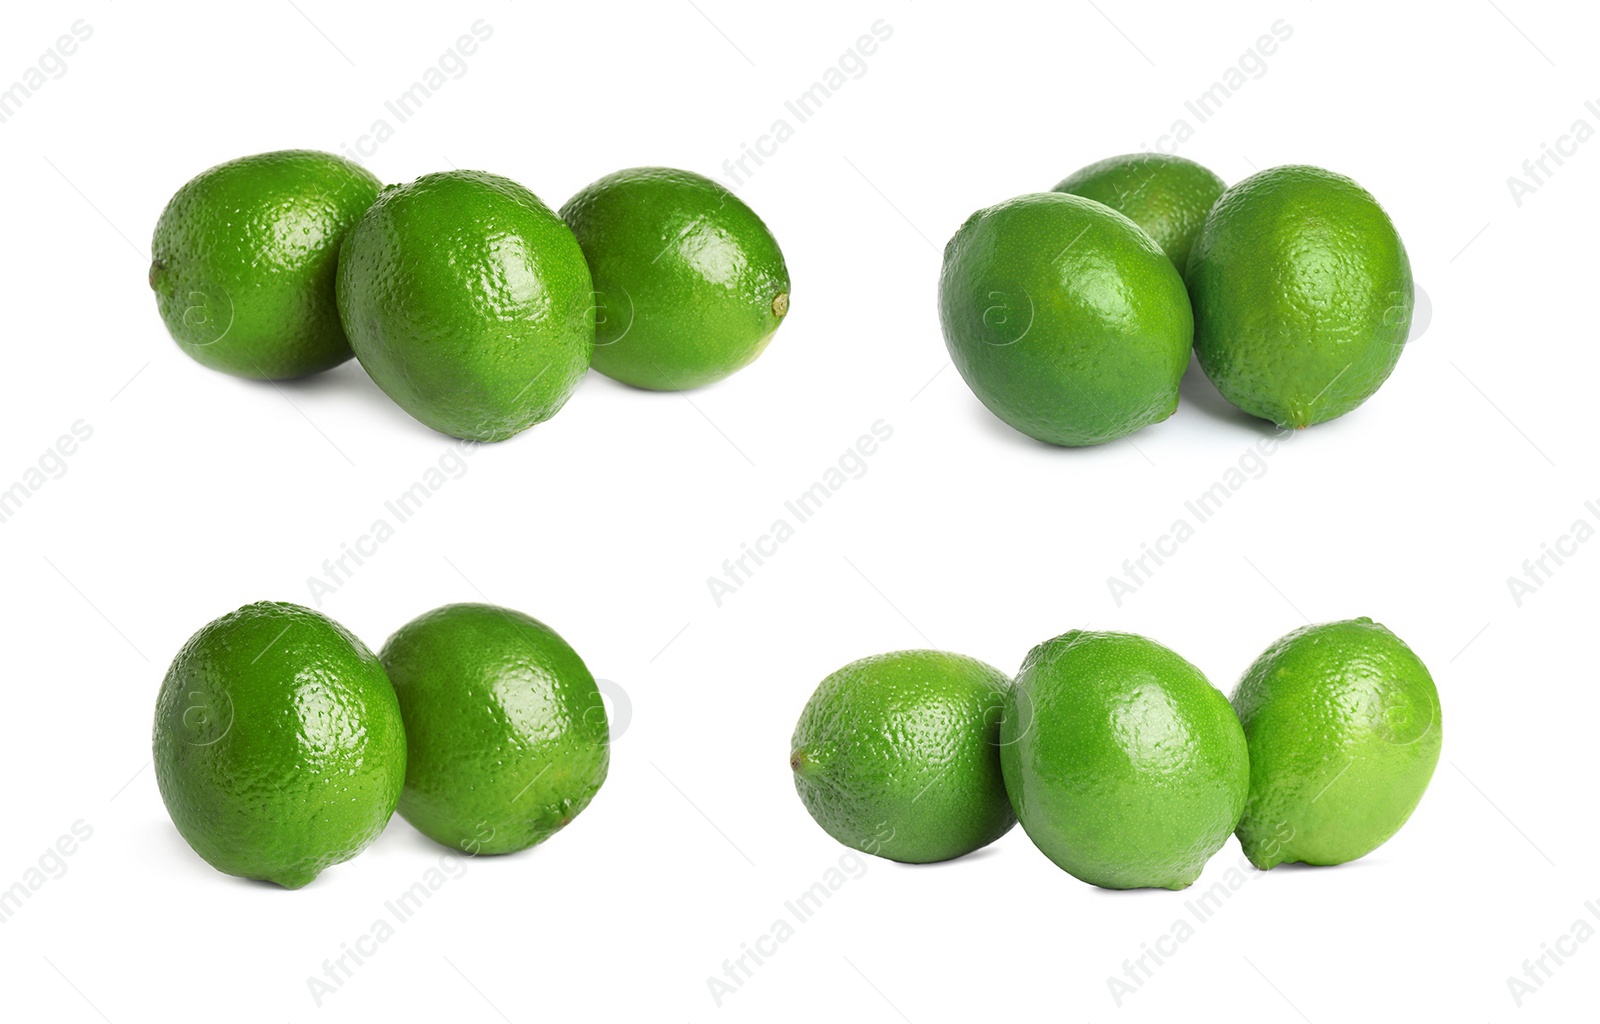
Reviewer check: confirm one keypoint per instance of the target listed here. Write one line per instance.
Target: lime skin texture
(468, 301)
(897, 755)
(1302, 295)
(1125, 766)
(507, 732)
(1344, 727)
(1065, 318)
(1168, 196)
(278, 745)
(243, 262)
(690, 286)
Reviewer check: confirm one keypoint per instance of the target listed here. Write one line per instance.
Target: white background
(197, 493)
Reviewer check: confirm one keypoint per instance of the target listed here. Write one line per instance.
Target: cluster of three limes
(1125, 766)
(282, 744)
(1072, 313)
(470, 302)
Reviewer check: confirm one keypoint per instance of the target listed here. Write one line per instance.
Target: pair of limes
(1071, 313)
(282, 745)
(469, 302)
(1125, 766)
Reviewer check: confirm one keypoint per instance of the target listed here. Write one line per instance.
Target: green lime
(1126, 767)
(896, 755)
(1065, 318)
(278, 744)
(689, 283)
(1166, 195)
(243, 260)
(468, 301)
(1344, 728)
(507, 732)
(1302, 295)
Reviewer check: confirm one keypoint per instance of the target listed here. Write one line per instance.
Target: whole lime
(898, 755)
(1302, 295)
(689, 284)
(243, 261)
(468, 301)
(1344, 728)
(1125, 766)
(507, 732)
(1169, 196)
(278, 745)
(1065, 318)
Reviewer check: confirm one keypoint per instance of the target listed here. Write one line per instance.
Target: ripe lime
(468, 301)
(243, 261)
(689, 283)
(1065, 318)
(507, 733)
(278, 744)
(1344, 728)
(896, 755)
(1125, 766)
(1302, 295)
